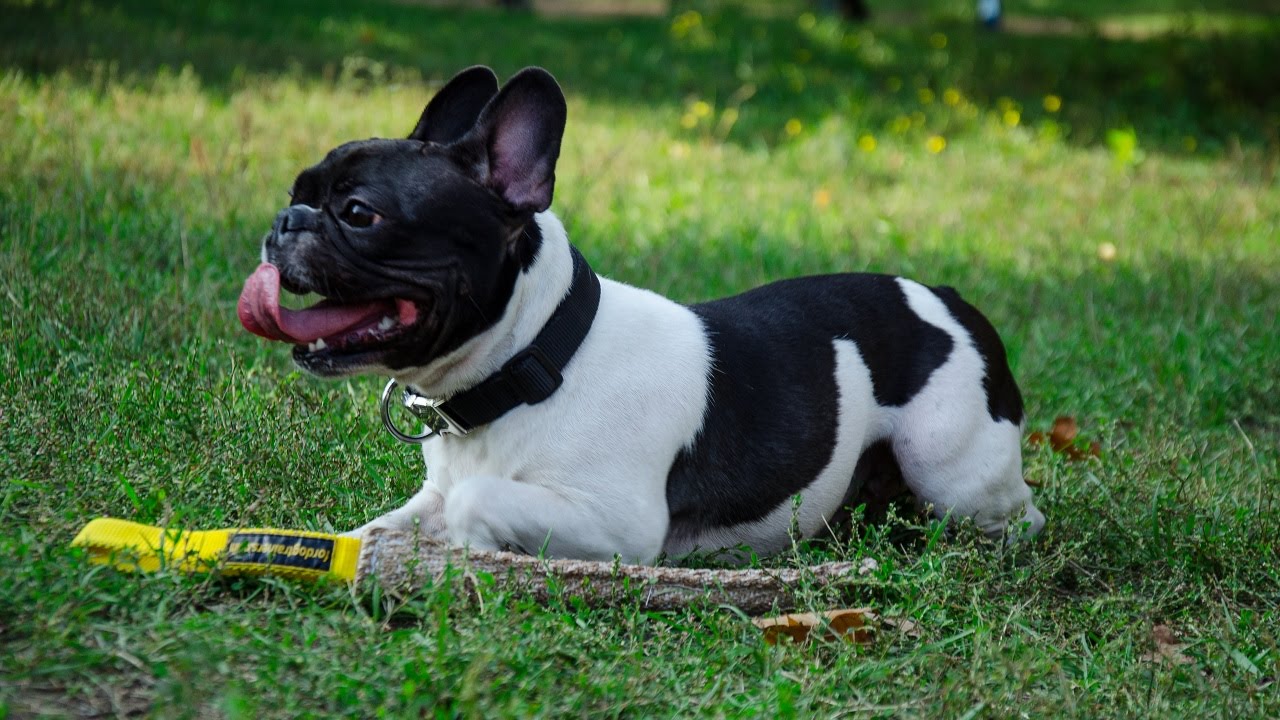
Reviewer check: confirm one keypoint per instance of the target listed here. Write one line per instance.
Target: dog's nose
(294, 218)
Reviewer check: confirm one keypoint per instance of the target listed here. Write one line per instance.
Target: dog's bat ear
(521, 130)
(453, 111)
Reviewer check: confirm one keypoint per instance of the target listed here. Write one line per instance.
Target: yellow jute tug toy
(403, 561)
(298, 554)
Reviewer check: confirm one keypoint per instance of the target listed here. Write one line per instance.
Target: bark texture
(403, 561)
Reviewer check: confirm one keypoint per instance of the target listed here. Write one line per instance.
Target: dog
(588, 419)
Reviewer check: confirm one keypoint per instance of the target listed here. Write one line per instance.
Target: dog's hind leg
(976, 475)
(959, 440)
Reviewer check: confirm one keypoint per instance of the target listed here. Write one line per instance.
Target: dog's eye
(358, 215)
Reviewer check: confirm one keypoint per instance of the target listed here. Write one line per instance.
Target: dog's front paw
(422, 514)
(363, 531)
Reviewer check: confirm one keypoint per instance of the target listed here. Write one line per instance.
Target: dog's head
(415, 244)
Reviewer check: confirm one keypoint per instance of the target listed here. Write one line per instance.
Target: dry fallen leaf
(1168, 649)
(847, 624)
(1062, 438)
(1064, 432)
(910, 628)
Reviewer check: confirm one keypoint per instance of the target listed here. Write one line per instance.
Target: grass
(148, 145)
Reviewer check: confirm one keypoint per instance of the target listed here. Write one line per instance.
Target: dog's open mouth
(328, 328)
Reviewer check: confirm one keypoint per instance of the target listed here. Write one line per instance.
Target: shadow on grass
(1173, 92)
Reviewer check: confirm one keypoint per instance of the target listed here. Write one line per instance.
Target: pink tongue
(260, 312)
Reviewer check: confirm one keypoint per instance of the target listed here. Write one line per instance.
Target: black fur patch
(1004, 401)
(771, 421)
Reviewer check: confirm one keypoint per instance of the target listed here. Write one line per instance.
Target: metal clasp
(435, 419)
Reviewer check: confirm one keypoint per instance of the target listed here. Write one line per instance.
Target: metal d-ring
(384, 407)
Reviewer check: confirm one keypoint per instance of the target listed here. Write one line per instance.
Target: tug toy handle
(299, 554)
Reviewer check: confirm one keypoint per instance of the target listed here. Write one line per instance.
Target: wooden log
(401, 562)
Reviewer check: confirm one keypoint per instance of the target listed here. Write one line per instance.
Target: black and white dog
(589, 418)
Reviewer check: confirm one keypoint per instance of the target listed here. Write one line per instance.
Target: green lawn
(147, 145)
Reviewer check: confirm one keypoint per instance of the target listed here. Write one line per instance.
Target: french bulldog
(591, 419)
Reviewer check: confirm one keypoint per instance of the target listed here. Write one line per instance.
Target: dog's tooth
(317, 345)
(387, 323)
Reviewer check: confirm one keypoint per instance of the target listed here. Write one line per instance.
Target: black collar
(528, 378)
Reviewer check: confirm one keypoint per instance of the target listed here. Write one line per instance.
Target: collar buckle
(435, 417)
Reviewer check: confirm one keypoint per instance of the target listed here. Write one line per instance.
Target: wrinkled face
(410, 251)
(416, 244)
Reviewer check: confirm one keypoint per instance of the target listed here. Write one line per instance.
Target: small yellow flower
(793, 127)
(682, 24)
(1123, 143)
(1012, 117)
(821, 198)
(1189, 143)
(1052, 103)
(867, 143)
(701, 109)
(951, 96)
(938, 40)
(688, 121)
(1106, 252)
(935, 144)
(925, 95)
